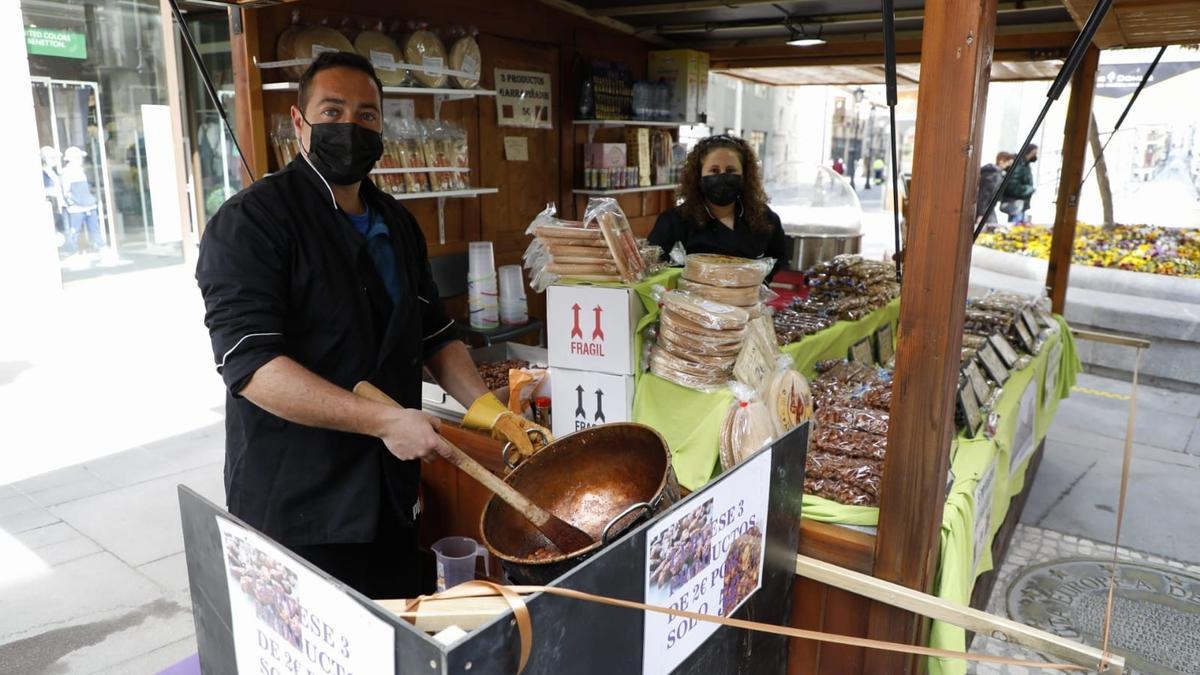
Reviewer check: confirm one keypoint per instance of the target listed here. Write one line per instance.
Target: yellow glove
(487, 412)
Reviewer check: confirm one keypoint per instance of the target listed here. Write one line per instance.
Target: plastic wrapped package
(423, 48)
(849, 442)
(458, 151)
(852, 470)
(685, 374)
(842, 493)
(683, 326)
(847, 417)
(725, 271)
(706, 313)
(788, 396)
(437, 149)
(523, 385)
(610, 219)
(283, 140)
(695, 364)
(678, 342)
(791, 325)
(465, 57)
(974, 341)
(384, 54)
(651, 257)
(410, 146)
(746, 428)
(739, 296)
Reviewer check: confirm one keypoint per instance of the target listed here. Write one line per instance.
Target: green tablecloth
(690, 421)
(970, 460)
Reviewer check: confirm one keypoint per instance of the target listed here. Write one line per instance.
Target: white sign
(580, 399)
(523, 99)
(160, 170)
(708, 559)
(1023, 443)
(591, 328)
(984, 491)
(516, 148)
(286, 619)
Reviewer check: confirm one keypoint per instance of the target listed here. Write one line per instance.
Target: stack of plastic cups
(482, 292)
(513, 308)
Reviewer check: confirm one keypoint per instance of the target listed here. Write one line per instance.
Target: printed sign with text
(706, 558)
(523, 99)
(287, 619)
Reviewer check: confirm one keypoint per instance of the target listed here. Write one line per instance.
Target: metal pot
(603, 480)
(810, 247)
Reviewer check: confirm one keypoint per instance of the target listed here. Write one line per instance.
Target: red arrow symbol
(576, 331)
(597, 333)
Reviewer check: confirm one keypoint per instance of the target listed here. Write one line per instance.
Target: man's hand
(411, 434)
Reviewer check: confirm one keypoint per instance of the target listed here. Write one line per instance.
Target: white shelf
(624, 191)
(625, 123)
(398, 91)
(473, 192)
(423, 169)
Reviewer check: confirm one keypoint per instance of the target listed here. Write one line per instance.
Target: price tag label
(883, 337)
(861, 352)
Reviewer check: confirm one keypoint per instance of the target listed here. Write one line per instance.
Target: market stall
(926, 532)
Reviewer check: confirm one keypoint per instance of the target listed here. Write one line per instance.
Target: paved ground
(93, 578)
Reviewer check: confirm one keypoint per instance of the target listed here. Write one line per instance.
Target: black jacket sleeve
(666, 232)
(777, 244)
(243, 275)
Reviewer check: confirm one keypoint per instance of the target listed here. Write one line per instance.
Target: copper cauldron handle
(645, 506)
(511, 455)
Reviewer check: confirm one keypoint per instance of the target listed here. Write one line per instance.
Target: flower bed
(1138, 248)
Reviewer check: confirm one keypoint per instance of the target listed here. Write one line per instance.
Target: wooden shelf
(625, 123)
(473, 192)
(422, 169)
(624, 191)
(397, 91)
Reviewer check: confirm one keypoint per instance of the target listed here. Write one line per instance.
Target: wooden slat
(845, 614)
(1142, 23)
(955, 57)
(838, 545)
(1075, 139)
(935, 608)
(808, 612)
(248, 112)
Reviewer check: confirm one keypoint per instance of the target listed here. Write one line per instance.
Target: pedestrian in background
(990, 177)
(839, 167)
(1020, 186)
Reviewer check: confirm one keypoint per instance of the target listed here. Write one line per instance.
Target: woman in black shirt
(724, 208)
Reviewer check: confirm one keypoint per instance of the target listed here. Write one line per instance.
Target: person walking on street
(990, 177)
(81, 204)
(839, 167)
(52, 183)
(877, 168)
(1020, 186)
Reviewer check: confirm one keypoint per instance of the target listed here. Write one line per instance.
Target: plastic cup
(456, 560)
(482, 289)
(512, 284)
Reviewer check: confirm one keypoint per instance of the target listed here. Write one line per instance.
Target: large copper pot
(603, 480)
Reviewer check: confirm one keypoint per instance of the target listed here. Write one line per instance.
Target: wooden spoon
(565, 536)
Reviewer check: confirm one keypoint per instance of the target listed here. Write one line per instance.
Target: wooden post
(956, 56)
(1075, 139)
(247, 88)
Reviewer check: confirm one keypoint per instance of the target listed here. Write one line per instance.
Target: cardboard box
(580, 399)
(607, 156)
(685, 71)
(591, 328)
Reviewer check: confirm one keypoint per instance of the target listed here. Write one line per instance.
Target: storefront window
(213, 152)
(97, 73)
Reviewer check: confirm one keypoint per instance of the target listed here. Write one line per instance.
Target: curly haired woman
(724, 208)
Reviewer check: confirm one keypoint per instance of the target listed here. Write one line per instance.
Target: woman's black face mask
(343, 152)
(721, 189)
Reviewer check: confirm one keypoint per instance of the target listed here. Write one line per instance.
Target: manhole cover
(1156, 611)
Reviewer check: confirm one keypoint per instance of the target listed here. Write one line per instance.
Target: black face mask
(721, 189)
(343, 152)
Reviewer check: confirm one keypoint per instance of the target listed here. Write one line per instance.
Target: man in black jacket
(990, 177)
(314, 280)
(1020, 187)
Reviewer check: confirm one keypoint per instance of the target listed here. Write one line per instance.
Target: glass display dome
(813, 199)
(820, 212)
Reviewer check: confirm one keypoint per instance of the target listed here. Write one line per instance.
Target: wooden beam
(958, 615)
(247, 91)
(1024, 46)
(1075, 139)
(956, 55)
(572, 8)
(1109, 338)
